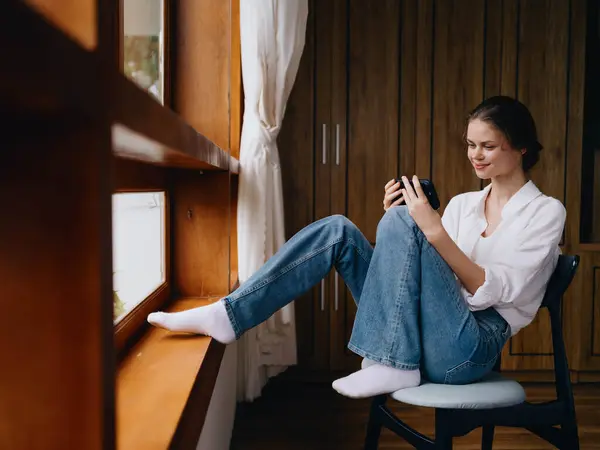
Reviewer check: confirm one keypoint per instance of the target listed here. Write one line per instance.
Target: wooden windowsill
(146, 131)
(164, 386)
(143, 130)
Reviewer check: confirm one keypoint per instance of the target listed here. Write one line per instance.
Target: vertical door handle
(336, 291)
(337, 144)
(324, 133)
(323, 294)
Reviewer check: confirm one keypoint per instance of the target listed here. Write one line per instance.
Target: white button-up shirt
(518, 257)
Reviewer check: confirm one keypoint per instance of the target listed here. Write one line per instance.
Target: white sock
(375, 380)
(366, 362)
(211, 320)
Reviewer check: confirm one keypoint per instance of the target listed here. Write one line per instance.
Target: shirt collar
(520, 199)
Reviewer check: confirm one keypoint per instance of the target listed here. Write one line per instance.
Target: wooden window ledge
(164, 386)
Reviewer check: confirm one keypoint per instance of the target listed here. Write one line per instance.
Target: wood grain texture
(56, 287)
(157, 384)
(409, 77)
(87, 82)
(493, 47)
(129, 329)
(200, 220)
(300, 154)
(543, 49)
(367, 100)
(236, 89)
(450, 55)
(510, 38)
(596, 311)
(201, 66)
(324, 140)
(76, 18)
(340, 305)
(133, 176)
(458, 88)
(148, 132)
(373, 93)
(587, 348)
(424, 75)
(576, 318)
(296, 416)
(40, 51)
(543, 84)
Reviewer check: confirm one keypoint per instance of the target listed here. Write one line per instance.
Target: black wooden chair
(495, 400)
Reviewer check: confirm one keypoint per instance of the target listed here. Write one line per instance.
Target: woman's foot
(366, 362)
(211, 320)
(375, 380)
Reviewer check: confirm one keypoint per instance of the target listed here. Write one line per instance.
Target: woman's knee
(338, 222)
(395, 218)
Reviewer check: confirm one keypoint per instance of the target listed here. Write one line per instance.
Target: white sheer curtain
(272, 39)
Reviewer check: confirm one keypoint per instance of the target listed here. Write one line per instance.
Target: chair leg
(487, 438)
(374, 424)
(570, 436)
(443, 430)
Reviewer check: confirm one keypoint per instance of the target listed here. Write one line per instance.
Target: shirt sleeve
(522, 275)
(450, 218)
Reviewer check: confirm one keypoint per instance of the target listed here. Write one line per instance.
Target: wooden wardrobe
(383, 90)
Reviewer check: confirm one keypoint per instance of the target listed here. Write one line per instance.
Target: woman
(438, 296)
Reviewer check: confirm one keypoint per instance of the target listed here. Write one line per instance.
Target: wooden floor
(304, 416)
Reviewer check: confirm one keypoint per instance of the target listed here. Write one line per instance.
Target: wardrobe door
(305, 161)
(364, 132)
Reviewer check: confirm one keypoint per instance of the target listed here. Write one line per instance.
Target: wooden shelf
(77, 82)
(164, 386)
(146, 131)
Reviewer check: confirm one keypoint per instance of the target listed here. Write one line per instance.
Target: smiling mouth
(480, 166)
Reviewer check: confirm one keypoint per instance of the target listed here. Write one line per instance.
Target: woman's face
(490, 152)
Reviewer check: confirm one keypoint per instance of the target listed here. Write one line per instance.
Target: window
(143, 45)
(138, 248)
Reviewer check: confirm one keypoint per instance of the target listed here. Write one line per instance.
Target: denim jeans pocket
(468, 372)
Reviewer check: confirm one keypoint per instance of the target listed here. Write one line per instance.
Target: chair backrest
(557, 286)
(560, 280)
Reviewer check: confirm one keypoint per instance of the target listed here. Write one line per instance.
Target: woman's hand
(391, 192)
(428, 220)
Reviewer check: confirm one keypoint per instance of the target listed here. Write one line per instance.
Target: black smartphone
(429, 190)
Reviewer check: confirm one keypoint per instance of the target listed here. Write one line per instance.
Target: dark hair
(514, 120)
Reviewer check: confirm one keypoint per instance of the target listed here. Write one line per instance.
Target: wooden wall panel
(451, 55)
(596, 310)
(200, 249)
(586, 313)
(57, 376)
(543, 84)
(458, 80)
(77, 18)
(203, 39)
(408, 87)
(299, 154)
(576, 317)
(373, 93)
(493, 43)
(132, 175)
(424, 75)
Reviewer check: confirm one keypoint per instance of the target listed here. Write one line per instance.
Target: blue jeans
(411, 314)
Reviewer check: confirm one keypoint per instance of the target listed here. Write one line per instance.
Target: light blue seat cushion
(493, 391)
